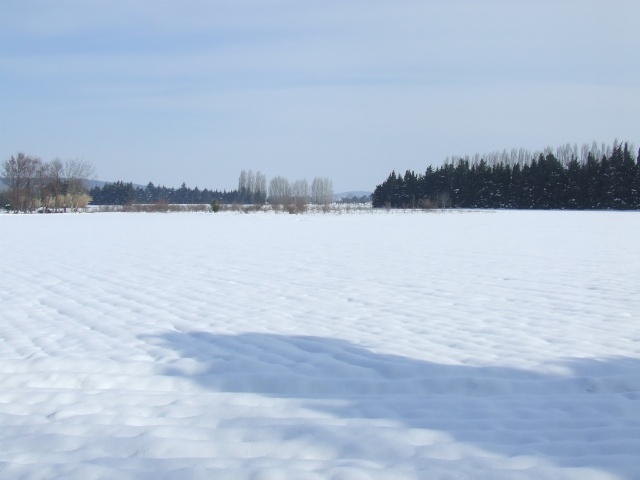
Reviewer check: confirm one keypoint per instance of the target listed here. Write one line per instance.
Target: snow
(466, 345)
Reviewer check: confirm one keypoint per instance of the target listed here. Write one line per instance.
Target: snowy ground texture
(460, 345)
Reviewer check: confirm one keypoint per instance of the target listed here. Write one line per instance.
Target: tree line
(35, 185)
(594, 178)
(125, 193)
(298, 193)
(252, 189)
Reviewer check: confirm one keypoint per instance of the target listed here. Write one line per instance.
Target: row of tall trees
(564, 153)
(283, 192)
(597, 179)
(252, 188)
(321, 191)
(33, 184)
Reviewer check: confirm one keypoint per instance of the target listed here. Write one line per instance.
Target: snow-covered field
(477, 345)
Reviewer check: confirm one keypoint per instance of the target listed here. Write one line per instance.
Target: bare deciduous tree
(242, 186)
(50, 187)
(75, 174)
(54, 188)
(252, 188)
(300, 190)
(19, 173)
(260, 188)
(300, 195)
(321, 191)
(293, 196)
(33, 183)
(280, 191)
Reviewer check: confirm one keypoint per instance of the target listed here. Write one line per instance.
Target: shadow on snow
(585, 414)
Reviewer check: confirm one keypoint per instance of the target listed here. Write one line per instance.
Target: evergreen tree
(603, 178)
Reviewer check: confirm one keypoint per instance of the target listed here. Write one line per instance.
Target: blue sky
(196, 91)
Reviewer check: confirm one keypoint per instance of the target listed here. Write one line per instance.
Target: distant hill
(355, 193)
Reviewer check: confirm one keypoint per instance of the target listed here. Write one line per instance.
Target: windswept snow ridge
(480, 345)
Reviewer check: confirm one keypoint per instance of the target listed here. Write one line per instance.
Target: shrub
(427, 204)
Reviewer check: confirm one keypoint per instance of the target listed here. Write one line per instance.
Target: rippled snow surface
(466, 345)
